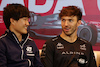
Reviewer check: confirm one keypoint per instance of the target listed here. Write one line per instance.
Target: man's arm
(37, 61)
(92, 62)
(3, 60)
(47, 54)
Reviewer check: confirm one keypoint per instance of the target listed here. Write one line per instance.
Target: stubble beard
(69, 34)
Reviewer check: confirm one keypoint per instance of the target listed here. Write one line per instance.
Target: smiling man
(16, 48)
(67, 49)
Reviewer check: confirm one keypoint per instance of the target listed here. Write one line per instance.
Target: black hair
(15, 11)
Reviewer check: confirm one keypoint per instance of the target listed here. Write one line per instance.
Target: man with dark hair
(67, 49)
(16, 48)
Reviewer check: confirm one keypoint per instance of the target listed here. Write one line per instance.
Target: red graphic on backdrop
(91, 8)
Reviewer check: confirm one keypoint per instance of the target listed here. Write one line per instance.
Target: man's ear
(79, 22)
(12, 21)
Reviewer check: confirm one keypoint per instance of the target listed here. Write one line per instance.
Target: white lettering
(71, 53)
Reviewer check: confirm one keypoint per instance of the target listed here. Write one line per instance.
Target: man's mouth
(66, 29)
(25, 27)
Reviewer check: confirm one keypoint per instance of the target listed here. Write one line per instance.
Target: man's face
(69, 25)
(20, 26)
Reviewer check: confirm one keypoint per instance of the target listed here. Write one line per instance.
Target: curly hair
(71, 11)
(15, 11)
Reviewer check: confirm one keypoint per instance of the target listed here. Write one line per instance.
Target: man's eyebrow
(68, 18)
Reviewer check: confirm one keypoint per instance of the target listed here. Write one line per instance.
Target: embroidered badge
(29, 50)
(60, 46)
(83, 47)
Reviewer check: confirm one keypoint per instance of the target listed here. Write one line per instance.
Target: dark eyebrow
(63, 19)
(69, 19)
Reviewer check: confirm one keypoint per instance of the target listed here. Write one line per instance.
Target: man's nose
(27, 23)
(66, 23)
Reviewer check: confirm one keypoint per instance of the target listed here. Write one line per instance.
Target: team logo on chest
(29, 49)
(60, 46)
(83, 47)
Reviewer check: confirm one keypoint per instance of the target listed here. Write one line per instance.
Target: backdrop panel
(45, 23)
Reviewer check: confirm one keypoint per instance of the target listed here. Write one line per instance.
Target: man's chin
(24, 32)
(68, 34)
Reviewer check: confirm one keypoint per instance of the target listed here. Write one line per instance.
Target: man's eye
(63, 20)
(70, 20)
(26, 19)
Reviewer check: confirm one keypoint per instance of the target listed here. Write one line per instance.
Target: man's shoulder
(3, 40)
(53, 39)
(84, 41)
(3, 36)
(31, 41)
